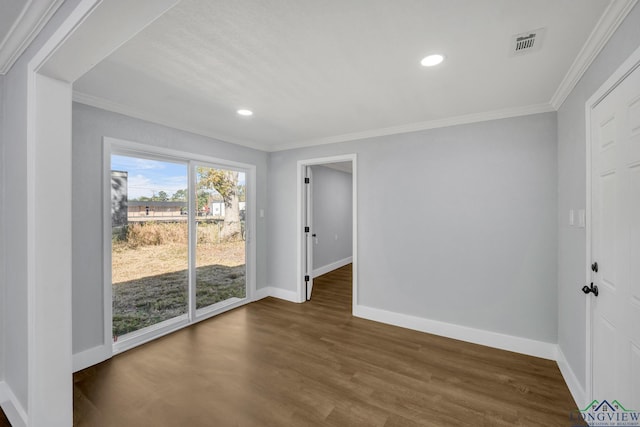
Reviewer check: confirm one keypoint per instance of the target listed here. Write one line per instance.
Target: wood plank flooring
(274, 363)
(4, 422)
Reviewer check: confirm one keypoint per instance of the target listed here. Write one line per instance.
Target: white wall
(572, 266)
(332, 217)
(477, 244)
(90, 125)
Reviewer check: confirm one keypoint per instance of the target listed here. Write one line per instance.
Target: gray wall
(2, 214)
(89, 126)
(572, 266)
(14, 170)
(477, 245)
(15, 232)
(332, 216)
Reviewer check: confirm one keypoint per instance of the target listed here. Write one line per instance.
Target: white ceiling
(325, 71)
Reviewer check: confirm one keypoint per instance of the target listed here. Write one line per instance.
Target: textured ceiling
(316, 71)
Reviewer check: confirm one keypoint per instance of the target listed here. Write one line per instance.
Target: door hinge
(306, 229)
(306, 278)
(307, 180)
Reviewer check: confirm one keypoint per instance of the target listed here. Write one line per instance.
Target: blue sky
(148, 177)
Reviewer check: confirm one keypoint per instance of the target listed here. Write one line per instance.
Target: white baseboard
(272, 291)
(330, 267)
(527, 346)
(91, 357)
(11, 406)
(577, 391)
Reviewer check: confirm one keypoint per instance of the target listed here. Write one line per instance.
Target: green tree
(161, 197)
(225, 183)
(179, 196)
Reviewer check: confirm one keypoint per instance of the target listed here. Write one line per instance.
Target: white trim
(26, 27)
(11, 406)
(302, 164)
(114, 107)
(330, 267)
(570, 378)
(107, 235)
(34, 394)
(273, 291)
(498, 340)
(604, 29)
(626, 68)
(91, 356)
(419, 126)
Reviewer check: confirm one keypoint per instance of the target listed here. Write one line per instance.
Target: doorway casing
(301, 246)
(73, 48)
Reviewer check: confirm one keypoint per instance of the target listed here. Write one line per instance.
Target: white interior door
(615, 245)
(308, 232)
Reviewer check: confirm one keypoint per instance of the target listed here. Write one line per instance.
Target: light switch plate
(572, 221)
(582, 218)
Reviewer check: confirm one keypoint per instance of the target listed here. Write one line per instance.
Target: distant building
(217, 207)
(154, 210)
(119, 182)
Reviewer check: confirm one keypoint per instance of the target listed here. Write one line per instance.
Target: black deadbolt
(594, 289)
(594, 267)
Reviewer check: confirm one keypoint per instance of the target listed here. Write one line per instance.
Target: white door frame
(302, 164)
(627, 67)
(307, 220)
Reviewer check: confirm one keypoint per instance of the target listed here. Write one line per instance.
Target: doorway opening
(327, 220)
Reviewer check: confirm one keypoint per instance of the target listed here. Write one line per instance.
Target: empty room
(306, 213)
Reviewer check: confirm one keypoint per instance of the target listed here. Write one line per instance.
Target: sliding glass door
(149, 249)
(220, 249)
(178, 242)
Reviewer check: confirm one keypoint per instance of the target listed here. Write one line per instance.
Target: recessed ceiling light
(245, 112)
(431, 60)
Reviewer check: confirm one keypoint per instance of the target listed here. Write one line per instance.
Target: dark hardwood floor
(4, 422)
(274, 363)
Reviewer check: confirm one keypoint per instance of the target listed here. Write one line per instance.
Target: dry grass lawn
(150, 282)
(144, 261)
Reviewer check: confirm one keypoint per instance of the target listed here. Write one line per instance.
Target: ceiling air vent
(527, 42)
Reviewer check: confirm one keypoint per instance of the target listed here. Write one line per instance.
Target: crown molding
(26, 27)
(609, 22)
(114, 107)
(415, 127)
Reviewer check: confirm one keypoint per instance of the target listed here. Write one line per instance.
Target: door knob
(593, 288)
(594, 267)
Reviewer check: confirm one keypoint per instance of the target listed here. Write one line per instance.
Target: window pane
(220, 249)
(149, 242)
